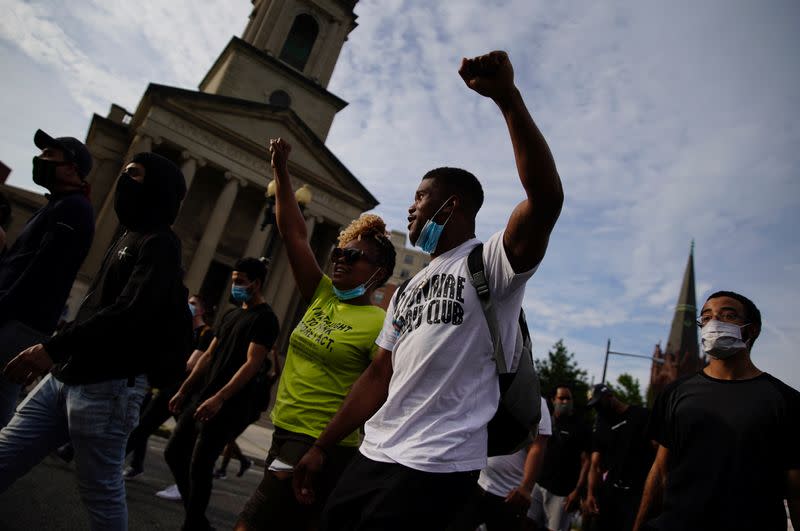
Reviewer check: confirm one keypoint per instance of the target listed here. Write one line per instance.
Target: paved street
(47, 498)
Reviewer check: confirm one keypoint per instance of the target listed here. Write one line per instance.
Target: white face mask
(722, 340)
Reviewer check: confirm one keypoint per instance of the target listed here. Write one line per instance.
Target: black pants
(483, 507)
(155, 412)
(618, 508)
(388, 496)
(194, 448)
(273, 505)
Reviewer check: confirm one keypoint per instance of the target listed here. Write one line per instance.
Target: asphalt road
(47, 497)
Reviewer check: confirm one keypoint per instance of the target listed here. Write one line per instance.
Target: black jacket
(37, 272)
(136, 308)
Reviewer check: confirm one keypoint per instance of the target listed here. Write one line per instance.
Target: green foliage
(627, 389)
(560, 367)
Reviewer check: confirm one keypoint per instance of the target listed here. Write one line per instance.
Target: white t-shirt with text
(504, 473)
(444, 387)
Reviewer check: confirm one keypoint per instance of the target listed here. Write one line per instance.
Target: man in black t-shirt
(226, 376)
(728, 436)
(565, 467)
(621, 447)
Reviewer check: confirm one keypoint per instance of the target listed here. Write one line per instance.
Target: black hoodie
(135, 311)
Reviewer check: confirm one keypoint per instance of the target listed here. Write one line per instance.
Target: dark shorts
(273, 505)
(388, 496)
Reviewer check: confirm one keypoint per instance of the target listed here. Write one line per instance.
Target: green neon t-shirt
(328, 351)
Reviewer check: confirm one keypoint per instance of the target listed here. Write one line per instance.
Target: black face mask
(44, 171)
(130, 204)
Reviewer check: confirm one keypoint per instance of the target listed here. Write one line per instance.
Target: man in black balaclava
(132, 320)
(37, 272)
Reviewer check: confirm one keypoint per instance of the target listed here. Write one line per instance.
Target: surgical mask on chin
(352, 293)
(193, 310)
(240, 293)
(432, 231)
(722, 340)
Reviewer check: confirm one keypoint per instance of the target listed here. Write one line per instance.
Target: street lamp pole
(640, 356)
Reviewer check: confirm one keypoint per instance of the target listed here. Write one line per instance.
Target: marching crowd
(382, 420)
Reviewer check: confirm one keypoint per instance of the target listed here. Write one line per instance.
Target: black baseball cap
(598, 392)
(74, 150)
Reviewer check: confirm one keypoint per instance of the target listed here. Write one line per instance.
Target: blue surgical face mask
(193, 309)
(240, 293)
(352, 293)
(432, 231)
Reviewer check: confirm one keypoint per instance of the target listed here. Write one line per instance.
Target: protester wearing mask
(225, 391)
(728, 436)
(566, 465)
(621, 448)
(432, 388)
(98, 362)
(37, 272)
(330, 347)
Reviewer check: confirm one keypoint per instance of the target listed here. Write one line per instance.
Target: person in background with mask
(224, 387)
(502, 496)
(98, 362)
(728, 436)
(37, 272)
(566, 465)
(329, 348)
(621, 448)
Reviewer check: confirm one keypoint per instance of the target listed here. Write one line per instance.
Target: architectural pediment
(241, 129)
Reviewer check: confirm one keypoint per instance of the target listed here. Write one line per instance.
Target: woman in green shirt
(328, 350)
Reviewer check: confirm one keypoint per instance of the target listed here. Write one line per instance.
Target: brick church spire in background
(682, 353)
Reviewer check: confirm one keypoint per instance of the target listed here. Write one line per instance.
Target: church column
(258, 238)
(106, 223)
(216, 225)
(189, 167)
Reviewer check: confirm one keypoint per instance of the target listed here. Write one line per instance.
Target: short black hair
(254, 268)
(461, 183)
(561, 385)
(752, 313)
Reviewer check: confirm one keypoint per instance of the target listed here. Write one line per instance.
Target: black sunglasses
(349, 255)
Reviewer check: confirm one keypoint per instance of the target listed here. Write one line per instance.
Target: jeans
(9, 394)
(96, 419)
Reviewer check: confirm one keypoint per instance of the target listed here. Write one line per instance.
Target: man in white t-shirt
(432, 387)
(501, 498)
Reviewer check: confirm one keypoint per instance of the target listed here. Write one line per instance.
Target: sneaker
(244, 464)
(220, 473)
(132, 472)
(170, 493)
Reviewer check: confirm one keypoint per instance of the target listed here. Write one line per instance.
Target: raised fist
(489, 75)
(279, 150)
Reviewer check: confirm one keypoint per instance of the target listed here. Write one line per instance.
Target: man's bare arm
(528, 229)
(654, 488)
(366, 396)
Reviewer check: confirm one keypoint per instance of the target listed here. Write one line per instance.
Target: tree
(627, 389)
(560, 367)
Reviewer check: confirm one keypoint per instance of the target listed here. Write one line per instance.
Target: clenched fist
(489, 75)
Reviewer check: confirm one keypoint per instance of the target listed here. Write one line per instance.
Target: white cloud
(668, 123)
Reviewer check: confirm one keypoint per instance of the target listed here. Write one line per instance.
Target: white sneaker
(170, 493)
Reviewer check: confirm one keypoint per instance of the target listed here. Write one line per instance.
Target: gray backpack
(516, 420)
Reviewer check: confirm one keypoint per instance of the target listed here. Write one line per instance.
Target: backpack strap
(477, 276)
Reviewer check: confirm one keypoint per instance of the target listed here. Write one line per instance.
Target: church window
(280, 98)
(297, 47)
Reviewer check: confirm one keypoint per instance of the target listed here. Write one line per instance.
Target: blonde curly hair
(373, 228)
(365, 225)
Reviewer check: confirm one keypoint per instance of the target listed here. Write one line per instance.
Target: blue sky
(669, 122)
